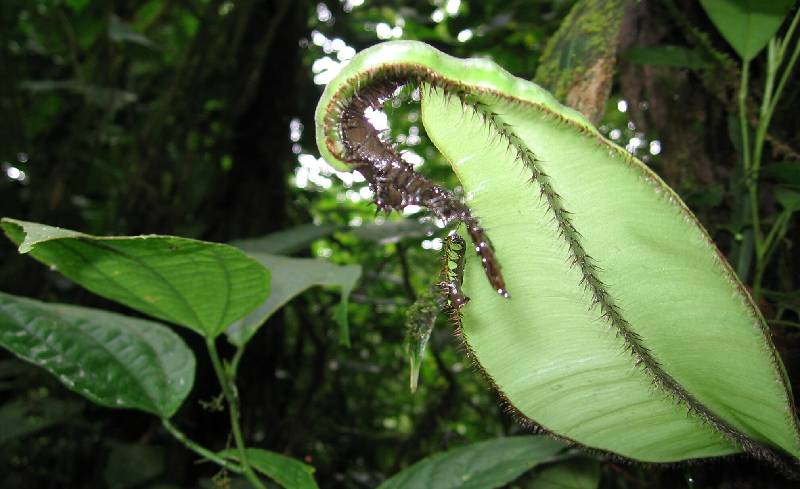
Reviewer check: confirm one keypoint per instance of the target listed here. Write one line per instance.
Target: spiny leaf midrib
(420, 73)
(601, 295)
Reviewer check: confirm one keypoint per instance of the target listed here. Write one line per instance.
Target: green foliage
(111, 359)
(202, 286)
(484, 465)
(165, 117)
(747, 24)
(593, 243)
(287, 472)
(291, 277)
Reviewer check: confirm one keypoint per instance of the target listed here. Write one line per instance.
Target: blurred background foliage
(195, 118)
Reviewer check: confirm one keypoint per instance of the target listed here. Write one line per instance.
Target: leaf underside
(627, 331)
(200, 285)
(113, 360)
(292, 276)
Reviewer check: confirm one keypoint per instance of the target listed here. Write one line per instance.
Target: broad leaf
(113, 360)
(576, 473)
(292, 276)
(288, 472)
(483, 465)
(286, 242)
(203, 286)
(747, 24)
(626, 329)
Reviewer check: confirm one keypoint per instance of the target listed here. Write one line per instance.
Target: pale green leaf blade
(655, 265)
(601, 259)
(288, 472)
(291, 277)
(113, 360)
(483, 465)
(287, 241)
(200, 285)
(747, 24)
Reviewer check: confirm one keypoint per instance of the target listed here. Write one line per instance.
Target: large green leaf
(203, 286)
(747, 24)
(287, 241)
(291, 277)
(623, 314)
(482, 465)
(111, 359)
(288, 472)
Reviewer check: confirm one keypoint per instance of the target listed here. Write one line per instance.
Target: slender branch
(790, 65)
(199, 449)
(231, 396)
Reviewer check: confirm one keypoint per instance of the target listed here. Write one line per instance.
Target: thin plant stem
(229, 390)
(776, 51)
(199, 449)
(237, 358)
(790, 65)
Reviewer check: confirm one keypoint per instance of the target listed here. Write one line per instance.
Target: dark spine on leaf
(393, 180)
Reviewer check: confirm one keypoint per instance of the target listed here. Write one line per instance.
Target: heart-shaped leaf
(113, 360)
(203, 286)
(626, 329)
(482, 465)
(747, 24)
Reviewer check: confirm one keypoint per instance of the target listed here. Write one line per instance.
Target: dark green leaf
(203, 286)
(286, 471)
(483, 465)
(747, 24)
(113, 360)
